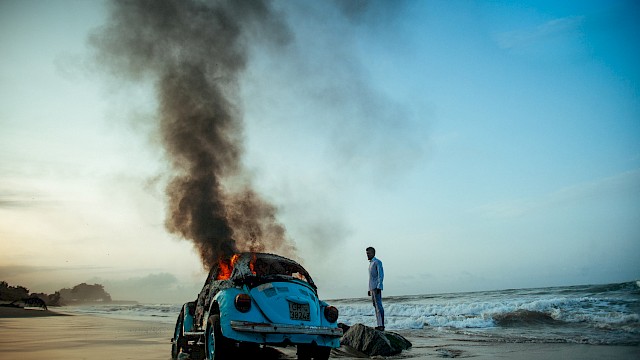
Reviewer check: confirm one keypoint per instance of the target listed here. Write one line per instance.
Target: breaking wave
(609, 312)
(164, 313)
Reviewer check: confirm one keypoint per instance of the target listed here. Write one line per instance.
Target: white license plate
(299, 311)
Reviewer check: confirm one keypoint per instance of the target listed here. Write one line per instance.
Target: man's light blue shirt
(376, 274)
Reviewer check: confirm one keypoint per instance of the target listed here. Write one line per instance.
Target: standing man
(376, 275)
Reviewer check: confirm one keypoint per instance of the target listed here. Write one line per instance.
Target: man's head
(371, 252)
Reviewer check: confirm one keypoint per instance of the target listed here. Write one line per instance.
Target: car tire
(303, 351)
(322, 353)
(308, 352)
(215, 345)
(178, 342)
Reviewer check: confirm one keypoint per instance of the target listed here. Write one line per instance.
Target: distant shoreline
(112, 302)
(18, 312)
(6, 303)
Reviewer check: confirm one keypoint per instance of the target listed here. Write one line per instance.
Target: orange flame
(226, 266)
(252, 263)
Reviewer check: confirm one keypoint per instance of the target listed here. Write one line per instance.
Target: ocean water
(589, 314)
(163, 313)
(606, 314)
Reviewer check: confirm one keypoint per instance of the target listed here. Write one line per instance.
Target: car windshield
(265, 267)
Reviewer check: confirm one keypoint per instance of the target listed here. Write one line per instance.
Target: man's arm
(380, 275)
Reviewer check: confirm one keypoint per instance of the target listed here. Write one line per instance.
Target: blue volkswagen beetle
(255, 299)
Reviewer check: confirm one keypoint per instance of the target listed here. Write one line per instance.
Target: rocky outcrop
(374, 342)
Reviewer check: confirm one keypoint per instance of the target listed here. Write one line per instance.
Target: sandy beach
(36, 334)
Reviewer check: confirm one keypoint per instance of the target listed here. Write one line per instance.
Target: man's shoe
(381, 328)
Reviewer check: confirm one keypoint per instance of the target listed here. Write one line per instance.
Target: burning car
(255, 299)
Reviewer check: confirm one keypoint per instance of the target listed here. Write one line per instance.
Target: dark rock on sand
(449, 353)
(374, 342)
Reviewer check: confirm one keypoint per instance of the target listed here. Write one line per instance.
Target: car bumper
(265, 328)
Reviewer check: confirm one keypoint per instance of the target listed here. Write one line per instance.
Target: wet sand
(36, 334)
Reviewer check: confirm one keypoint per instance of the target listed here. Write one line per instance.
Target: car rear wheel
(216, 346)
(308, 352)
(322, 353)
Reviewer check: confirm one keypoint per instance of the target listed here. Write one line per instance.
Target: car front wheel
(215, 344)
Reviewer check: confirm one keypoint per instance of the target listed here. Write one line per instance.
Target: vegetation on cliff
(81, 293)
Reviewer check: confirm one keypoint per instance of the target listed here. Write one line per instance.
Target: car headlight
(331, 314)
(243, 302)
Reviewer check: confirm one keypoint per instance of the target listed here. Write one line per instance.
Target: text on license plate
(299, 311)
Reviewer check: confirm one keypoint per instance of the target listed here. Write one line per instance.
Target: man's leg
(377, 303)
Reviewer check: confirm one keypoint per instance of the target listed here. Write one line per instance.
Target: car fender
(188, 316)
(225, 303)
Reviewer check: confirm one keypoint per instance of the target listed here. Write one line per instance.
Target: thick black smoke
(194, 52)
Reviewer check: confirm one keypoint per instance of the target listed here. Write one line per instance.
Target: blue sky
(476, 145)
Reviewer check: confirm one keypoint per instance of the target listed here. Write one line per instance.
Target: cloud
(12, 270)
(359, 127)
(152, 288)
(526, 37)
(624, 184)
(18, 200)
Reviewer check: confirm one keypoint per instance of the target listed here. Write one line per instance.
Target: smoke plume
(193, 52)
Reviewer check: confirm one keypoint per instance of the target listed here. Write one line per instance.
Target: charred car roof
(252, 266)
